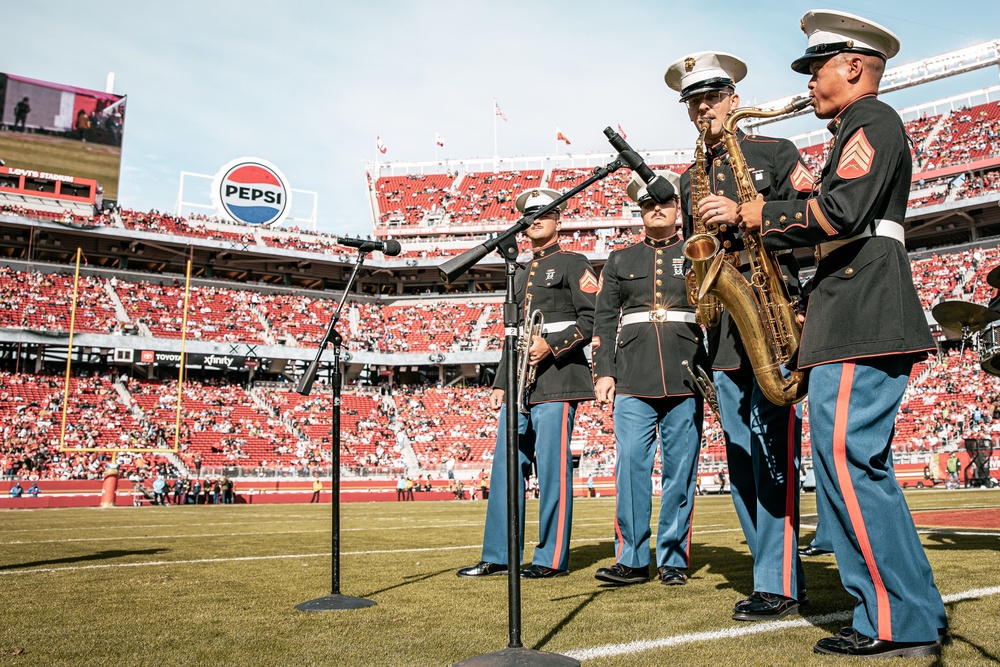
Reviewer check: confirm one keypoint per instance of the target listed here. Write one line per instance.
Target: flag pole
(496, 152)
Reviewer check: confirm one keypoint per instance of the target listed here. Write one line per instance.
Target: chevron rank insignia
(588, 282)
(802, 179)
(857, 157)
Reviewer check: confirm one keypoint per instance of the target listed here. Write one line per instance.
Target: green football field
(61, 155)
(217, 585)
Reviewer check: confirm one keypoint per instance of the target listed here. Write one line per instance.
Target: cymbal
(956, 315)
(993, 278)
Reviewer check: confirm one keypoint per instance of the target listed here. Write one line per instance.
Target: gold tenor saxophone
(703, 245)
(534, 326)
(761, 308)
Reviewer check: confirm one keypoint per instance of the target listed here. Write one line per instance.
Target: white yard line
(609, 650)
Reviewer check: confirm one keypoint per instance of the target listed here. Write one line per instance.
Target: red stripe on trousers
(563, 444)
(791, 490)
(851, 499)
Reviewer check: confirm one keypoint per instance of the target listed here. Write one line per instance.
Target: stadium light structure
(912, 74)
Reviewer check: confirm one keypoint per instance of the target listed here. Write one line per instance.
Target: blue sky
(307, 85)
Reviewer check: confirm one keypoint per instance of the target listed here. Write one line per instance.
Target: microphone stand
(515, 653)
(334, 600)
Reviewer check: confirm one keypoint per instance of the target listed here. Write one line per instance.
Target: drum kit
(977, 323)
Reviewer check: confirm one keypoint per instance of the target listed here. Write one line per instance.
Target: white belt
(883, 228)
(659, 316)
(556, 327)
(551, 327)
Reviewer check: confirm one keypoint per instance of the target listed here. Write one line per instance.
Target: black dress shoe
(671, 576)
(944, 637)
(855, 643)
(813, 551)
(623, 575)
(541, 572)
(483, 569)
(764, 607)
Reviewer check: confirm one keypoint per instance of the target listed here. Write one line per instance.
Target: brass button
(723, 227)
(621, 343)
(718, 162)
(535, 264)
(631, 275)
(783, 218)
(548, 284)
(659, 272)
(721, 192)
(659, 251)
(721, 177)
(726, 244)
(529, 283)
(659, 295)
(659, 261)
(659, 282)
(798, 216)
(767, 223)
(849, 271)
(565, 342)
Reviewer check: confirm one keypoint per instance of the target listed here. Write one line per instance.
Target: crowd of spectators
(966, 135)
(31, 413)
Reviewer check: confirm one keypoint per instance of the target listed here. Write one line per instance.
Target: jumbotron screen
(62, 129)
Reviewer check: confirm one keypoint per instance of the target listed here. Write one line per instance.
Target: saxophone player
(563, 286)
(763, 440)
(643, 292)
(864, 330)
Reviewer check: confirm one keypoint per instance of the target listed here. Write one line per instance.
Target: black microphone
(389, 248)
(659, 188)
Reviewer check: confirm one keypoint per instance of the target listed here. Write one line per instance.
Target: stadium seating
(44, 302)
(405, 200)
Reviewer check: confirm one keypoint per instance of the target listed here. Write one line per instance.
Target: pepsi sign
(251, 191)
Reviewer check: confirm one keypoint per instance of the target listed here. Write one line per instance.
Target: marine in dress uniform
(763, 440)
(643, 292)
(563, 286)
(863, 331)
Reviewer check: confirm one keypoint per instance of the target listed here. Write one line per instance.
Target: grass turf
(218, 586)
(61, 155)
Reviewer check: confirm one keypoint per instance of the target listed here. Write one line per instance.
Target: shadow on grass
(100, 555)
(736, 567)
(947, 540)
(410, 580)
(588, 555)
(587, 598)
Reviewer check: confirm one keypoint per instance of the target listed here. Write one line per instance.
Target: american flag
(379, 145)
(561, 137)
(498, 111)
(621, 131)
(438, 140)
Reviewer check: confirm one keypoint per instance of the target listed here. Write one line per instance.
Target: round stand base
(335, 601)
(519, 657)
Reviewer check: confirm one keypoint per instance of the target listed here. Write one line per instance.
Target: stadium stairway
(936, 130)
(268, 333)
(116, 301)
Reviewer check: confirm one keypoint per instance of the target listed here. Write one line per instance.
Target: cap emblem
(688, 64)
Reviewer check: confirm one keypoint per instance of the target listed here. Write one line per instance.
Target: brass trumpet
(526, 371)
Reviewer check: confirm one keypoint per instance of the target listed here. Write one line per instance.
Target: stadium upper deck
(954, 142)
